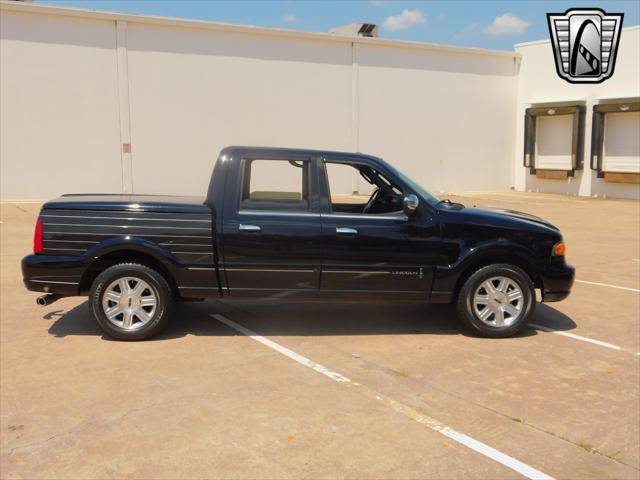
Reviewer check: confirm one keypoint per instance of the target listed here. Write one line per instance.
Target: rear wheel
(131, 301)
(497, 301)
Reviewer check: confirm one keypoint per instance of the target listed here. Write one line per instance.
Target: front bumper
(53, 274)
(557, 281)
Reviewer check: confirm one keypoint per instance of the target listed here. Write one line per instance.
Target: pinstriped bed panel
(73, 232)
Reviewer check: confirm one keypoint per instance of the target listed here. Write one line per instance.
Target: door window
(275, 185)
(360, 189)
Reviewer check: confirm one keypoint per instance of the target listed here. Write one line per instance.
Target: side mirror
(410, 204)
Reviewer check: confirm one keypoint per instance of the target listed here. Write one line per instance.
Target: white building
(614, 143)
(105, 102)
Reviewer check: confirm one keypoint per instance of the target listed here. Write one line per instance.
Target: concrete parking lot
(334, 390)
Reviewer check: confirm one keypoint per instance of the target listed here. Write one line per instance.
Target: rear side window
(275, 185)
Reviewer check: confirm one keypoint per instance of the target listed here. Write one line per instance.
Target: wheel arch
(126, 255)
(485, 259)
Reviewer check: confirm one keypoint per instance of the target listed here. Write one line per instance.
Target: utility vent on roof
(356, 30)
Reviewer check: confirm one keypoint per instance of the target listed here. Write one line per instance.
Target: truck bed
(76, 225)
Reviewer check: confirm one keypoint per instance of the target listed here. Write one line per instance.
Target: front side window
(275, 185)
(360, 189)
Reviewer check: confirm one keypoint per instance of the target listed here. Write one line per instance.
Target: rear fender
(135, 244)
(132, 249)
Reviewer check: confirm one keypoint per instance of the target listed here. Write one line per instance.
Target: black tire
(161, 290)
(471, 319)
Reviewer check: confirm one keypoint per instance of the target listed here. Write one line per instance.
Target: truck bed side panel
(187, 236)
(74, 238)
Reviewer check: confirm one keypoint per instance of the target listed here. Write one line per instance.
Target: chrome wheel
(129, 303)
(498, 302)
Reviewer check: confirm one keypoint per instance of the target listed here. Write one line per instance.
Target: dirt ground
(204, 400)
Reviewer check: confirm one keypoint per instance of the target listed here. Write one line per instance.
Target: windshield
(418, 189)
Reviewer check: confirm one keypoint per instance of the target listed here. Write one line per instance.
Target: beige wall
(194, 92)
(539, 85)
(59, 123)
(444, 115)
(444, 119)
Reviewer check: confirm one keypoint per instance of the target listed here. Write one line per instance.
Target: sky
(483, 24)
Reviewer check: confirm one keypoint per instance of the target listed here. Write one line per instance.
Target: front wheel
(131, 301)
(497, 301)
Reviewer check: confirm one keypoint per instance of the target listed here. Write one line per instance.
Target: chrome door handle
(248, 228)
(346, 231)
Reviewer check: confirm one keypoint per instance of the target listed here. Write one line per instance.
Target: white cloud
(408, 18)
(507, 24)
(289, 17)
(440, 18)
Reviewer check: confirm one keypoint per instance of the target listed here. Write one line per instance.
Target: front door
(370, 247)
(272, 231)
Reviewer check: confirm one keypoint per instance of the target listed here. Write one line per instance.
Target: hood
(519, 215)
(505, 218)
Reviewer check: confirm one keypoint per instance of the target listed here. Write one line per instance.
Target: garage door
(622, 142)
(554, 136)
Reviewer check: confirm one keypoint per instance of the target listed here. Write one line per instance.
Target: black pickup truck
(277, 223)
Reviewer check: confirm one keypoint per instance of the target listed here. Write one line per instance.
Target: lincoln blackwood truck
(283, 223)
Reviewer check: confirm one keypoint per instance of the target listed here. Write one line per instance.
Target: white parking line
(576, 337)
(609, 285)
(433, 424)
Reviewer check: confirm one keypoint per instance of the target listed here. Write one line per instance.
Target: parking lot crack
(107, 421)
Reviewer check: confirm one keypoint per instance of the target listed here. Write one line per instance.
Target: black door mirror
(410, 204)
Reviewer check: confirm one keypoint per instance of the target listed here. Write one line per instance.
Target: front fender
(447, 277)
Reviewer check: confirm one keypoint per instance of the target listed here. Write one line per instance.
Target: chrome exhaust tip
(48, 299)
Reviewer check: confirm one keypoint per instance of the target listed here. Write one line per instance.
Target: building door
(554, 136)
(621, 150)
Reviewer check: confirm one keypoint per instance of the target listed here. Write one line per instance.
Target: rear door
(271, 226)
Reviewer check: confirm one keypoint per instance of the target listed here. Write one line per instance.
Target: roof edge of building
(246, 29)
